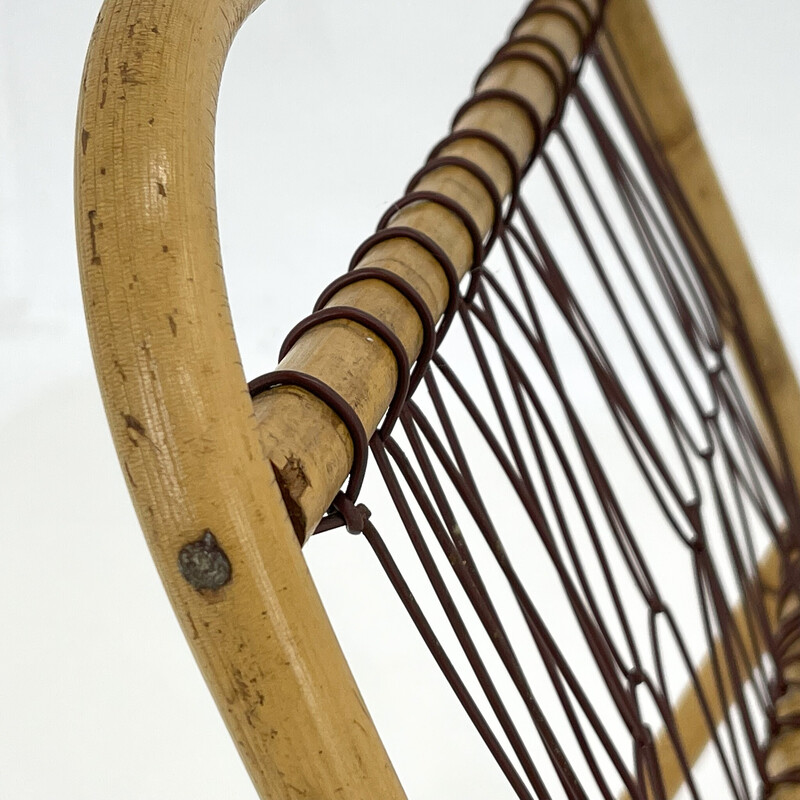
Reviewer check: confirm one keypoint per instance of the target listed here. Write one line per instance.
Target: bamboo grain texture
(178, 406)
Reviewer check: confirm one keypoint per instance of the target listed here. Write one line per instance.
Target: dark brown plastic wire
(432, 462)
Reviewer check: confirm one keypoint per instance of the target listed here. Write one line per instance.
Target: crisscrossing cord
(577, 495)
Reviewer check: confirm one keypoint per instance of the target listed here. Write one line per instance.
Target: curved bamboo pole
(638, 45)
(200, 465)
(175, 394)
(179, 411)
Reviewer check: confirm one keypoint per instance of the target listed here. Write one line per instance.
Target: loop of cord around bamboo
(581, 19)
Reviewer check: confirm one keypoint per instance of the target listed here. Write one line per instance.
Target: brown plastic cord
(446, 202)
(410, 294)
(477, 172)
(499, 145)
(518, 100)
(378, 327)
(424, 241)
(408, 383)
(505, 55)
(531, 38)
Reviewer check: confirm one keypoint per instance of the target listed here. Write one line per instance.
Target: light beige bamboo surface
(178, 407)
(198, 462)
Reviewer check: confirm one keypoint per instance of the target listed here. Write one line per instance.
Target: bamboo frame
(198, 456)
(195, 456)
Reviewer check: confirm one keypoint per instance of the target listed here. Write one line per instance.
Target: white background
(99, 696)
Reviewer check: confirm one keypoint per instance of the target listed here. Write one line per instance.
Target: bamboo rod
(306, 443)
(638, 44)
(179, 410)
